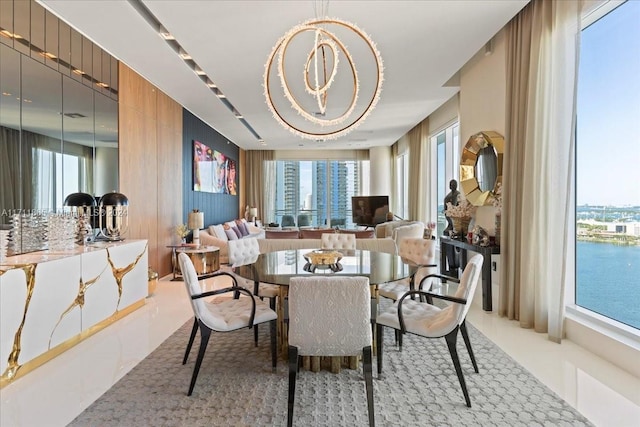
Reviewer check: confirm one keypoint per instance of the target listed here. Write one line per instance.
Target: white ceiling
(423, 44)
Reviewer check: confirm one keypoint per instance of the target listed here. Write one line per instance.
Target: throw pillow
(231, 235)
(243, 228)
(218, 231)
(237, 231)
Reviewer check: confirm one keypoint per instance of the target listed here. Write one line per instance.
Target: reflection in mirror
(487, 168)
(106, 145)
(481, 167)
(78, 144)
(42, 97)
(42, 133)
(10, 159)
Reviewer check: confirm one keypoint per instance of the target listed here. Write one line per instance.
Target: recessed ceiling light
(165, 34)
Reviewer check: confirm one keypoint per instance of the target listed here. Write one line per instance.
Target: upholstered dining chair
(244, 252)
(224, 316)
(304, 220)
(338, 241)
(329, 316)
(288, 221)
(429, 321)
(419, 252)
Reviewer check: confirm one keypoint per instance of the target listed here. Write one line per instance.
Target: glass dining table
(279, 267)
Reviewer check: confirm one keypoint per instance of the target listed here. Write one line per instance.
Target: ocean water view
(608, 280)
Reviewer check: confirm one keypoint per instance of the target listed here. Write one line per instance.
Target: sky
(608, 134)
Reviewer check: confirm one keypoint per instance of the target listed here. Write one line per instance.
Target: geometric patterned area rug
(236, 387)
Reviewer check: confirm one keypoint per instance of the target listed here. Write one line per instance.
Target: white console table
(52, 300)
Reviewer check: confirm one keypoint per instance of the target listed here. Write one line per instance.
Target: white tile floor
(53, 394)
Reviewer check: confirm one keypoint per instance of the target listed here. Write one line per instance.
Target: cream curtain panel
(394, 177)
(418, 151)
(261, 183)
(542, 58)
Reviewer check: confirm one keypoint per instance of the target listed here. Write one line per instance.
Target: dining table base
(332, 363)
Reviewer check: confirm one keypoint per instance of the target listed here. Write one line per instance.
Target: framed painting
(213, 172)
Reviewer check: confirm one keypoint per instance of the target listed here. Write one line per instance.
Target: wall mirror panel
(58, 130)
(481, 167)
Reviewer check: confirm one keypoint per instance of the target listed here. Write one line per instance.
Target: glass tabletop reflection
(279, 267)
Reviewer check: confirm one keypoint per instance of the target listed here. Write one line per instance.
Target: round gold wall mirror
(481, 167)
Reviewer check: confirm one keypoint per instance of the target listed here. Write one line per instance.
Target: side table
(206, 259)
(486, 252)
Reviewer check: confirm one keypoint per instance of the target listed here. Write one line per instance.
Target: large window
(316, 193)
(447, 149)
(607, 167)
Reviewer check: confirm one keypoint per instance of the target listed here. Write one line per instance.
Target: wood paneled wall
(150, 144)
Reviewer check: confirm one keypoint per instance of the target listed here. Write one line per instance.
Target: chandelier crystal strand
(325, 42)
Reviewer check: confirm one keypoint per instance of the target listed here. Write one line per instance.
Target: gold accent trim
(119, 273)
(78, 301)
(66, 345)
(12, 363)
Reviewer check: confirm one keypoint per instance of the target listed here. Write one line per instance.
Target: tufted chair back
(417, 250)
(243, 251)
(415, 229)
(468, 283)
(338, 241)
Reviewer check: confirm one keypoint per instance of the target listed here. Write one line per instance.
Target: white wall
(482, 105)
(446, 114)
(380, 171)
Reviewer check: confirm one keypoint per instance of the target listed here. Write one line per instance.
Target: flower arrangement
(464, 209)
(182, 231)
(497, 197)
(431, 225)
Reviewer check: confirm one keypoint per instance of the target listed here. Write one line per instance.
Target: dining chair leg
(451, 343)
(274, 349)
(399, 340)
(194, 329)
(293, 371)
(205, 333)
(368, 380)
(467, 343)
(255, 335)
(379, 347)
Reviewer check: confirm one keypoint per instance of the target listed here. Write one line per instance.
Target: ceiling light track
(151, 19)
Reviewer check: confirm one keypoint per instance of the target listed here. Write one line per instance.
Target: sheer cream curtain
(418, 152)
(394, 177)
(542, 58)
(261, 183)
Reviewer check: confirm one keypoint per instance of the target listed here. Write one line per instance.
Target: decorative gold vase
(461, 225)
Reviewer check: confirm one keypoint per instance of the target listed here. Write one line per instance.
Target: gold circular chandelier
(310, 97)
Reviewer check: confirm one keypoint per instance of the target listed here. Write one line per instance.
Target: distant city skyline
(608, 121)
